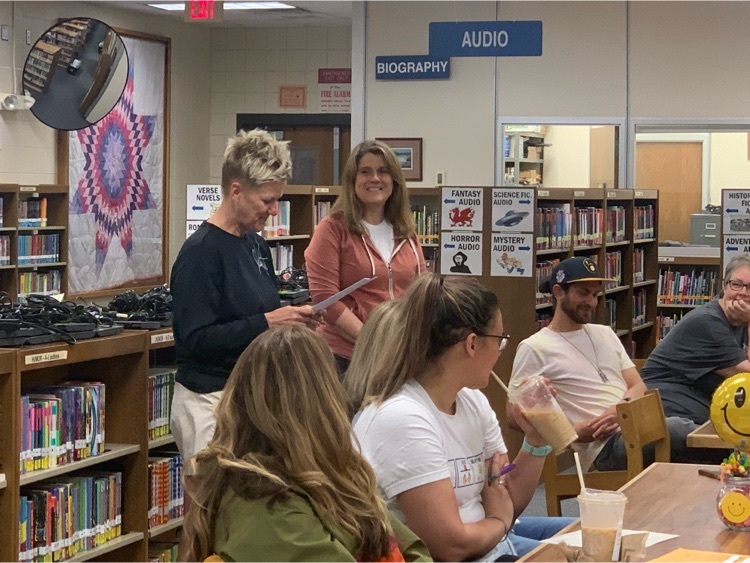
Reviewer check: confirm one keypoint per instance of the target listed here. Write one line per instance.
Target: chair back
(642, 422)
(639, 362)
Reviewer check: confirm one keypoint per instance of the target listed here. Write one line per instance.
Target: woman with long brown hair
(370, 232)
(281, 479)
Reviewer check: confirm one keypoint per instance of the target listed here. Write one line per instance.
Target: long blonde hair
(373, 352)
(397, 208)
(282, 423)
(438, 312)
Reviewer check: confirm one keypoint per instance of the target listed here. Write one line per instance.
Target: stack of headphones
(41, 319)
(293, 286)
(150, 310)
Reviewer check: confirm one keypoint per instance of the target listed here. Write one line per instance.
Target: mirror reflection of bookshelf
(41, 65)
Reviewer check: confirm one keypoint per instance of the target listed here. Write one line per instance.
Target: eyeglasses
(737, 285)
(502, 343)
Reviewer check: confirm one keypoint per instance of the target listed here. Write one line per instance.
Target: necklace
(596, 365)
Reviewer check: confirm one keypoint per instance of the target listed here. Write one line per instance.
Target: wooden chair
(642, 422)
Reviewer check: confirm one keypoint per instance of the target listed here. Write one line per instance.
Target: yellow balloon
(730, 410)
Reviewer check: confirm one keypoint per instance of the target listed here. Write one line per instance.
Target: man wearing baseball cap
(588, 366)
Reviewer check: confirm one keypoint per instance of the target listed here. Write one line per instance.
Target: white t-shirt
(382, 237)
(409, 442)
(581, 392)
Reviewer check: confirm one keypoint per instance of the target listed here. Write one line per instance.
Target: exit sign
(204, 10)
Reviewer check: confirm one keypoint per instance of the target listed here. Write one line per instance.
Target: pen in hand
(505, 470)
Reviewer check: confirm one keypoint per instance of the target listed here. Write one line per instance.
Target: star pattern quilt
(116, 182)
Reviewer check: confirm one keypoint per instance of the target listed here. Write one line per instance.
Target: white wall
(249, 65)
(567, 161)
(730, 166)
(27, 147)
(677, 60)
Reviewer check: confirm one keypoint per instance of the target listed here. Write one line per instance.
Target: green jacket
(246, 530)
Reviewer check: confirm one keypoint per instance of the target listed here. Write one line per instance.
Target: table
(705, 437)
(687, 507)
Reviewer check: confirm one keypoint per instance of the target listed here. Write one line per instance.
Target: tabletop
(705, 437)
(670, 498)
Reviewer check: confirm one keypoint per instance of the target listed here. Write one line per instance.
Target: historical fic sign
(512, 255)
(202, 201)
(462, 209)
(513, 210)
(461, 253)
(735, 207)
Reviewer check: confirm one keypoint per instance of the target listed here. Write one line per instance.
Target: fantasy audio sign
(462, 210)
(463, 39)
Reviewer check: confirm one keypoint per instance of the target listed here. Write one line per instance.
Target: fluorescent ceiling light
(257, 6)
(171, 6)
(180, 6)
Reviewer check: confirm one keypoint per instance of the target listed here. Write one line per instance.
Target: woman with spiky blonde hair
(282, 480)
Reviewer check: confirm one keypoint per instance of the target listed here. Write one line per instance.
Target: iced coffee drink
(543, 412)
(599, 543)
(602, 513)
(554, 427)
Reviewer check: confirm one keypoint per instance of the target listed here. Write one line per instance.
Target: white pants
(192, 421)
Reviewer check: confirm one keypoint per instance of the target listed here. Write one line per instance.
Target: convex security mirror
(76, 73)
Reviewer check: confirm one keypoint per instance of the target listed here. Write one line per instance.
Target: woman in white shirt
(432, 437)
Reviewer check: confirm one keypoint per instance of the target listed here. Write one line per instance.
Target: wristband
(541, 451)
(505, 525)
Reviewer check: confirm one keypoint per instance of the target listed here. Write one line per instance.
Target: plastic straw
(579, 471)
(500, 381)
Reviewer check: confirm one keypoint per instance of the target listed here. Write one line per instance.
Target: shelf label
(611, 194)
(33, 359)
(579, 193)
(513, 210)
(462, 209)
(666, 259)
(638, 193)
(544, 193)
(27, 188)
(512, 255)
(734, 246)
(159, 338)
(461, 253)
(322, 190)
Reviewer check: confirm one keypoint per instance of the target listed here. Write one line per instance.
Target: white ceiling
(308, 14)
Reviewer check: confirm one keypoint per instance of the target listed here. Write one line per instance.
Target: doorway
(676, 170)
(320, 143)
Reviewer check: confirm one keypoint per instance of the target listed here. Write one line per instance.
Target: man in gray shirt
(707, 346)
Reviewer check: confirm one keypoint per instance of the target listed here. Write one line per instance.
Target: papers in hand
(318, 307)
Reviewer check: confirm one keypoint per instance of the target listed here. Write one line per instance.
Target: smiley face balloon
(730, 410)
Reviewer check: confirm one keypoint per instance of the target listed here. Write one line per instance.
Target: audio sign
(204, 10)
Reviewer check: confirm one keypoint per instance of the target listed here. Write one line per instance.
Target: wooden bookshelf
(19, 277)
(120, 362)
(40, 66)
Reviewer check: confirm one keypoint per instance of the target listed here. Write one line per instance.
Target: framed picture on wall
(118, 173)
(408, 151)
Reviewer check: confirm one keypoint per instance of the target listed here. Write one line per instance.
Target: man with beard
(587, 365)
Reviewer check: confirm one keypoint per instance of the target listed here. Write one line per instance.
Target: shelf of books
(688, 278)
(40, 66)
(166, 498)
(91, 468)
(33, 239)
(616, 229)
(288, 233)
(425, 205)
(80, 426)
